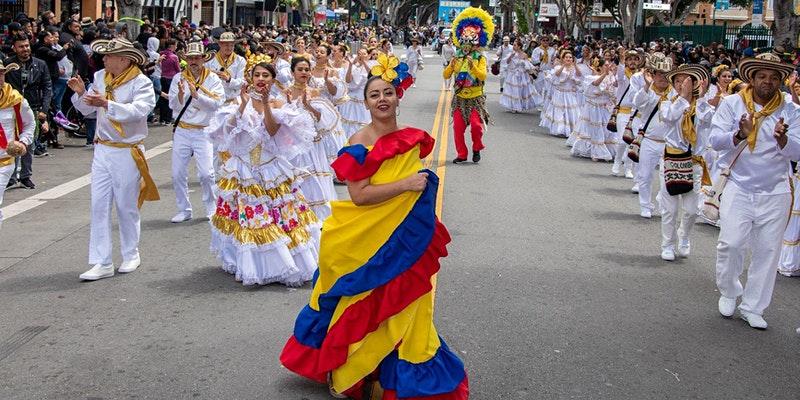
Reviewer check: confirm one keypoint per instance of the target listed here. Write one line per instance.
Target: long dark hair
(298, 60)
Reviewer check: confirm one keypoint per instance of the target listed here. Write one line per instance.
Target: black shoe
(56, 145)
(40, 153)
(11, 183)
(501, 90)
(458, 160)
(476, 156)
(28, 183)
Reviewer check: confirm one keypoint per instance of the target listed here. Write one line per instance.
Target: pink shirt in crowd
(171, 66)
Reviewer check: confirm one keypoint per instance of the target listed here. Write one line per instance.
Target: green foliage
(522, 20)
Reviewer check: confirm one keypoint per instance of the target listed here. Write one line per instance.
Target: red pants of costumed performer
(459, 127)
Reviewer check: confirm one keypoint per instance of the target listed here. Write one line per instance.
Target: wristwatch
(739, 137)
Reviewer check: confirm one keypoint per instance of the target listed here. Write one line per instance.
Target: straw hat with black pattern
(196, 49)
(8, 68)
(696, 71)
(659, 62)
(271, 45)
(227, 37)
(119, 47)
(749, 66)
(632, 53)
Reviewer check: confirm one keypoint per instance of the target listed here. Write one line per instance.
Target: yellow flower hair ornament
(255, 59)
(391, 70)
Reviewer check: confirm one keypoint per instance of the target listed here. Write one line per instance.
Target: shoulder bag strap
(650, 118)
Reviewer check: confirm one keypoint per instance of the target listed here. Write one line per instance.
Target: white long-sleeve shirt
(767, 168)
(201, 109)
(8, 119)
(636, 83)
(645, 101)
(132, 102)
(236, 69)
(536, 58)
(674, 112)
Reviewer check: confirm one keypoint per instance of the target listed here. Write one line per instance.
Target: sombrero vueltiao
(8, 68)
(196, 49)
(749, 66)
(119, 47)
(659, 62)
(696, 71)
(274, 46)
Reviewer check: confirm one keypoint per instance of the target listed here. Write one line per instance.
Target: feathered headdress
(391, 70)
(473, 25)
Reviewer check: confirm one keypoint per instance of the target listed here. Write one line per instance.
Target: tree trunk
(130, 8)
(787, 23)
(627, 13)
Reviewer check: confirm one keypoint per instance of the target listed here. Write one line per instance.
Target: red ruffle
(367, 314)
(388, 146)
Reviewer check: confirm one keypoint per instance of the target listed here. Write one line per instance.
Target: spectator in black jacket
(72, 33)
(48, 50)
(32, 79)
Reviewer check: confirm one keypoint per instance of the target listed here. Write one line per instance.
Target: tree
(130, 8)
(787, 23)
(624, 13)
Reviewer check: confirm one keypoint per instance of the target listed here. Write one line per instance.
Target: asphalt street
(553, 289)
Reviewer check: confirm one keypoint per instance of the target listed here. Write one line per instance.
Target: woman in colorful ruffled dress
(519, 91)
(593, 139)
(561, 112)
(318, 179)
(368, 328)
(263, 230)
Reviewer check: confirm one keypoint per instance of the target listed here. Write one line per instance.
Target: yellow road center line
(435, 129)
(440, 169)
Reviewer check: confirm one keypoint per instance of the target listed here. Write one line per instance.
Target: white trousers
(5, 176)
(671, 207)
(115, 181)
(650, 155)
(185, 144)
(621, 151)
(413, 66)
(756, 222)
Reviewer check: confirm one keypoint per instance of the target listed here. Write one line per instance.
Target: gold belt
(655, 140)
(6, 161)
(148, 191)
(186, 125)
(625, 110)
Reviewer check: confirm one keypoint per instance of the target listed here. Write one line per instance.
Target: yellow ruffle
(232, 184)
(269, 234)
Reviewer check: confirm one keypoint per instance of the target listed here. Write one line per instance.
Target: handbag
(636, 144)
(713, 195)
(496, 68)
(612, 122)
(678, 171)
(627, 135)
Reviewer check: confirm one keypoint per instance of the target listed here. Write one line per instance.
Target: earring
(397, 113)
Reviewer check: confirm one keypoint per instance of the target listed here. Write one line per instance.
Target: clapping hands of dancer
(685, 89)
(76, 84)
(781, 129)
(746, 125)
(192, 90)
(703, 87)
(416, 182)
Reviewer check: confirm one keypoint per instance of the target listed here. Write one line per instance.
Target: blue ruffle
(403, 248)
(439, 375)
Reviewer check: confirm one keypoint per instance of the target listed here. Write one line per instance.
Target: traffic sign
(656, 5)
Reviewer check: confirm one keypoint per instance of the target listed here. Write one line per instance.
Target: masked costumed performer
(473, 29)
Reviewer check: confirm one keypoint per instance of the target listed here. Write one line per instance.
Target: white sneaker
(684, 248)
(668, 254)
(756, 321)
(790, 274)
(646, 213)
(181, 217)
(130, 266)
(615, 170)
(629, 174)
(635, 188)
(726, 306)
(98, 271)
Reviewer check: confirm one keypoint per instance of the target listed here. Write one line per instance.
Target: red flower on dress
(248, 212)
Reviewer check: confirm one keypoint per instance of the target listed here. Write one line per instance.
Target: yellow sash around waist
(148, 190)
(625, 110)
(186, 125)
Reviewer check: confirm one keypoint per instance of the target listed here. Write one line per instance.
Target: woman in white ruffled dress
(332, 88)
(316, 161)
(561, 113)
(263, 230)
(519, 91)
(584, 65)
(593, 139)
(353, 112)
